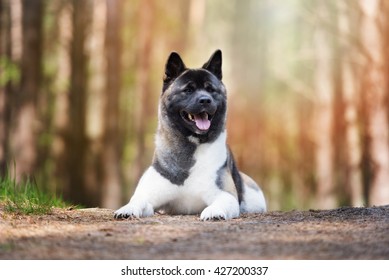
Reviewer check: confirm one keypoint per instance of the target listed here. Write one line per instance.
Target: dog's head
(193, 101)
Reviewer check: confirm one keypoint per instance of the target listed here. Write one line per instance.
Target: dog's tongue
(202, 121)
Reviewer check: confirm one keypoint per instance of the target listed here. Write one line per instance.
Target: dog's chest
(201, 182)
(209, 158)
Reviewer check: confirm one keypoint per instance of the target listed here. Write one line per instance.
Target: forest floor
(344, 233)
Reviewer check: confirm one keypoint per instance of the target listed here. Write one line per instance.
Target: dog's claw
(215, 219)
(120, 216)
(123, 216)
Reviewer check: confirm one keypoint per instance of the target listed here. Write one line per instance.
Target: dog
(193, 170)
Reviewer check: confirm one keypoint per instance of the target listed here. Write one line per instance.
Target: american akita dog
(193, 170)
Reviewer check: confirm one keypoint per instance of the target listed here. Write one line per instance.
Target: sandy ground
(344, 233)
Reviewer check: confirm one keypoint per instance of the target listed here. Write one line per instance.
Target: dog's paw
(132, 210)
(213, 213)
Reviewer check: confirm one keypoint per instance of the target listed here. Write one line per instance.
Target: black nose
(205, 100)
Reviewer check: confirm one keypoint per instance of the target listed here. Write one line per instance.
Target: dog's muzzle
(201, 113)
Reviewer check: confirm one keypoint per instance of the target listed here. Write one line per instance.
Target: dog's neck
(174, 152)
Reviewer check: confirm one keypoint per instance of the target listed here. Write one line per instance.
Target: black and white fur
(193, 170)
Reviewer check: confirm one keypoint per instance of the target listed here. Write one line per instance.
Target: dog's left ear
(214, 64)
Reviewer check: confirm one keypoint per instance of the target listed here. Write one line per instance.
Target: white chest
(200, 187)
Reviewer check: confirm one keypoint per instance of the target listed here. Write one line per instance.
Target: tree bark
(350, 95)
(111, 183)
(142, 90)
(5, 88)
(76, 140)
(375, 87)
(323, 79)
(24, 139)
(61, 116)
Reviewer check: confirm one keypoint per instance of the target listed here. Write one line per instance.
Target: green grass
(25, 197)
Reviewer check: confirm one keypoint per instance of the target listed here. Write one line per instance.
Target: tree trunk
(5, 85)
(61, 116)
(323, 114)
(352, 136)
(375, 88)
(111, 185)
(350, 90)
(142, 90)
(76, 141)
(24, 139)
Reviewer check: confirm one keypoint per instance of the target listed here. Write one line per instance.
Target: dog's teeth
(190, 116)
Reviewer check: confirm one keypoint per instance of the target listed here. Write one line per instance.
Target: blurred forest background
(308, 85)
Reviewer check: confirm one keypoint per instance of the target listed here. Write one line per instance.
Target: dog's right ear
(174, 67)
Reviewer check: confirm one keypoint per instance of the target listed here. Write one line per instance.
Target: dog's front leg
(224, 206)
(152, 192)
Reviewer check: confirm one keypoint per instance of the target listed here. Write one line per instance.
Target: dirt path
(344, 233)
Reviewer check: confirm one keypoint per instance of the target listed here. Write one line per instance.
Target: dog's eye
(189, 89)
(209, 88)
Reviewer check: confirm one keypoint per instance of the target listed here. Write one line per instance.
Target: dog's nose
(205, 100)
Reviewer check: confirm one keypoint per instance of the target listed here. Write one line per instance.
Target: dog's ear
(214, 64)
(174, 67)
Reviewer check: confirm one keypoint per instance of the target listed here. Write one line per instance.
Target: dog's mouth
(201, 120)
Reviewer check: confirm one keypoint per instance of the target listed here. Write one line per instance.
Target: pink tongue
(202, 122)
